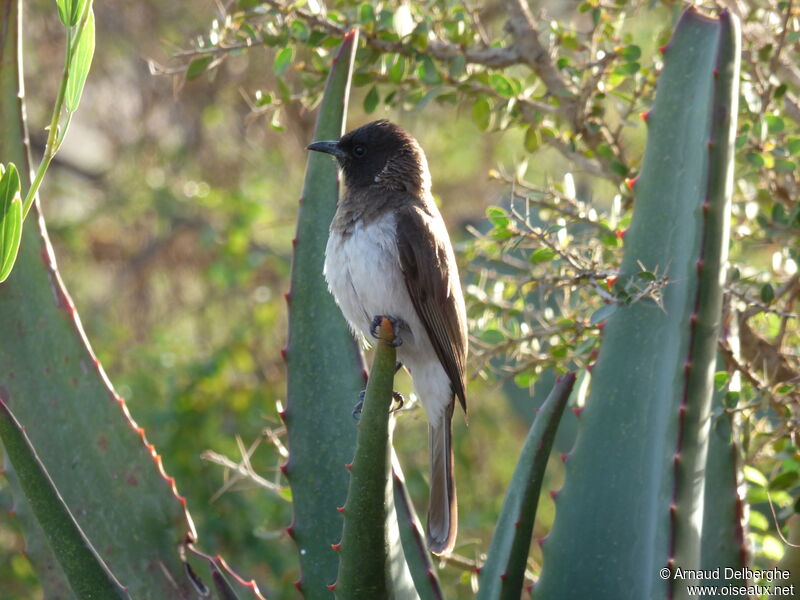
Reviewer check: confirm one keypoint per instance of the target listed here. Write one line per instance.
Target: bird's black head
(379, 154)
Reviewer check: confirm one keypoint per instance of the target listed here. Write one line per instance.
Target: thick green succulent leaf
(98, 459)
(415, 550)
(641, 448)
(723, 540)
(503, 574)
(88, 575)
(324, 367)
(371, 561)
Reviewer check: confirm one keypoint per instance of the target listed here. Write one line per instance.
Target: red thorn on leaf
(664, 49)
(349, 35)
(578, 410)
(336, 547)
(673, 509)
(554, 494)
(294, 242)
(693, 320)
(299, 585)
(478, 570)
(364, 374)
(331, 586)
(621, 234)
(503, 576)
(601, 326)
(283, 353)
(687, 366)
(710, 144)
(611, 281)
(290, 531)
(529, 587)
(716, 73)
(631, 181)
(288, 297)
(589, 368)
(340, 509)
(541, 541)
(676, 460)
(645, 115)
(700, 265)
(284, 468)
(348, 466)
(564, 456)
(517, 523)
(706, 206)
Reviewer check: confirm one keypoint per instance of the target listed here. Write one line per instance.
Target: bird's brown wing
(435, 290)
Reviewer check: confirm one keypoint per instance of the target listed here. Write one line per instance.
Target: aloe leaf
(107, 473)
(89, 577)
(371, 562)
(503, 574)
(643, 435)
(80, 63)
(415, 551)
(324, 367)
(723, 541)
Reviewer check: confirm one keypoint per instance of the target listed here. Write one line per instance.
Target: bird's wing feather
(435, 289)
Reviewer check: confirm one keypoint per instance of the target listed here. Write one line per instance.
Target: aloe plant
(640, 454)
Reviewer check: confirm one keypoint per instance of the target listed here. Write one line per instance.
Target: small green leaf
(502, 85)
(767, 293)
(498, 216)
(794, 145)
(631, 53)
(541, 255)
(492, 336)
(82, 53)
(197, 67)
(371, 100)
(64, 11)
(457, 66)
(427, 71)
(481, 113)
(602, 313)
(10, 220)
(397, 69)
(755, 476)
(366, 14)
(774, 123)
(532, 139)
(283, 59)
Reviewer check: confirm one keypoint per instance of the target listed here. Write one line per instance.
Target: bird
(389, 254)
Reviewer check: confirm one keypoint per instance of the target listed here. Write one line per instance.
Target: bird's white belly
(363, 273)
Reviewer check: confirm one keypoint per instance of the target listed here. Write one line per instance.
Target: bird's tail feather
(442, 511)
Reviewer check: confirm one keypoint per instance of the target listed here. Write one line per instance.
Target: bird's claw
(396, 396)
(375, 330)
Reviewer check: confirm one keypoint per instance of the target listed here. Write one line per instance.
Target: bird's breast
(362, 268)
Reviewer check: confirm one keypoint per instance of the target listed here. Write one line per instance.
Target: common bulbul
(389, 254)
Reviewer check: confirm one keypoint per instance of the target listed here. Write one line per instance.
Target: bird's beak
(327, 147)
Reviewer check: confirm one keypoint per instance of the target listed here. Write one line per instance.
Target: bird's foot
(399, 400)
(396, 396)
(359, 405)
(392, 337)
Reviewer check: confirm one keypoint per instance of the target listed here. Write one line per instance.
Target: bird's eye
(359, 150)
